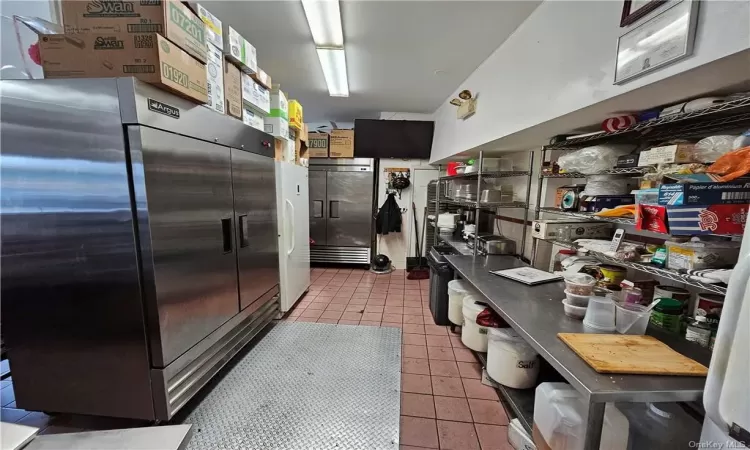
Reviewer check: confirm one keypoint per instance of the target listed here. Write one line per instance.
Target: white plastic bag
(592, 160)
(605, 185)
(709, 149)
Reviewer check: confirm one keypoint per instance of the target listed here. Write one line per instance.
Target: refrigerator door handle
(226, 234)
(291, 223)
(317, 209)
(333, 209)
(242, 226)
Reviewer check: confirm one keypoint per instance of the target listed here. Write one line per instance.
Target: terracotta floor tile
(357, 302)
(464, 355)
(443, 368)
(348, 322)
(440, 353)
(416, 384)
(327, 320)
(475, 389)
(375, 302)
(414, 351)
(456, 340)
(452, 408)
(370, 323)
(306, 319)
(413, 328)
(457, 436)
(413, 339)
(438, 341)
(315, 306)
(419, 432)
(376, 317)
(470, 370)
(352, 316)
(331, 315)
(447, 387)
(336, 307)
(391, 324)
(417, 320)
(339, 301)
(418, 405)
(436, 330)
(415, 366)
(412, 311)
(391, 318)
(488, 412)
(311, 313)
(393, 310)
(493, 437)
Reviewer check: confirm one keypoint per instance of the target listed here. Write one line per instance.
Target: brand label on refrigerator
(163, 108)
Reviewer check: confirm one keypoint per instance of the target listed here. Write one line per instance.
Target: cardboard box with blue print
(239, 51)
(215, 79)
(707, 219)
(277, 127)
(213, 27)
(703, 189)
(170, 18)
(255, 96)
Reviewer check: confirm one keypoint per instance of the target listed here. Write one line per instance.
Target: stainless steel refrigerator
(139, 244)
(341, 209)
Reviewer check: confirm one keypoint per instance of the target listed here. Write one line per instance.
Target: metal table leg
(594, 424)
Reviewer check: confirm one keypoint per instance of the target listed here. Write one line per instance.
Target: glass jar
(699, 331)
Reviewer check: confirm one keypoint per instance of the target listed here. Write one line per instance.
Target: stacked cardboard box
(277, 122)
(162, 43)
(214, 59)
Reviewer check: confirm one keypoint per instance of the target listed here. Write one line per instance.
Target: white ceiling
(393, 49)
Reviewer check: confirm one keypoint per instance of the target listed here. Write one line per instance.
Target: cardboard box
(701, 189)
(341, 144)
(304, 135)
(707, 219)
(252, 118)
(279, 105)
(170, 18)
(296, 117)
(213, 27)
(277, 127)
(148, 57)
(232, 89)
(239, 51)
(255, 96)
(669, 154)
(284, 150)
(215, 79)
(598, 203)
(262, 78)
(317, 144)
(550, 229)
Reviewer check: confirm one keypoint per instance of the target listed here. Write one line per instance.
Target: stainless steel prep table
(536, 313)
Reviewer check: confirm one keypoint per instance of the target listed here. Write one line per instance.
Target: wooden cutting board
(617, 353)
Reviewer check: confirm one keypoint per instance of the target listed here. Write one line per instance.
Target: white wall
(10, 54)
(562, 59)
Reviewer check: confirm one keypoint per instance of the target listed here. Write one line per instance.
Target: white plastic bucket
(510, 360)
(473, 335)
(457, 290)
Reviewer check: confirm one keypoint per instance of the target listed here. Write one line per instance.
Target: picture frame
(633, 10)
(646, 48)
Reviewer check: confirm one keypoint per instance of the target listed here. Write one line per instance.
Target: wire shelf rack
(588, 216)
(674, 125)
(481, 205)
(620, 171)
(500, 174)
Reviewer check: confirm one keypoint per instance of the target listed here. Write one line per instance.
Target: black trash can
(440, 274)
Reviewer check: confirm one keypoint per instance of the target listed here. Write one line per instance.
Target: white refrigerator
(727, 394)
(293, 204)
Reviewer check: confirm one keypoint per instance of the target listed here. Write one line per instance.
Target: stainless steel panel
(342, 255)
(254, 186)
(195, 120)
(183, 221)
(168, 437)
(71, 305)
(315, 163)
(318, 208)
(349, 218)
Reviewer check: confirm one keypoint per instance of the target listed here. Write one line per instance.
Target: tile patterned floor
(444, 405)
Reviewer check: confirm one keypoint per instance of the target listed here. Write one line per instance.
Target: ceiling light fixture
(324, 20)
(333, 62)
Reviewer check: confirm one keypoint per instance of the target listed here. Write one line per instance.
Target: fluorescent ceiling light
(324, 18)
(333, 62)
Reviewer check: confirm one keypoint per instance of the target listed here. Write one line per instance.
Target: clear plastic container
(698, 255)
(576, 300)
(631, 318)
(558, 422)
(472, 335)
(576, 312)
(579, 283)
(600, 315)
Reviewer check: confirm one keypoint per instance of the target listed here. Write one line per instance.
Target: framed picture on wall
(632, 10)
(661, 40)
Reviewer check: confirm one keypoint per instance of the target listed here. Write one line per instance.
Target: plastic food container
(667, 315)
(510, 360)
(576, 312)
(518, 438)
(600, 315)
(576, 300)
(701, 255)
(457, 290)
(472, 335)
(631, 318)
(579, 283)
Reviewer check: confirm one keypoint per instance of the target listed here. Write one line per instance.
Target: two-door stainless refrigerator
(139, 244)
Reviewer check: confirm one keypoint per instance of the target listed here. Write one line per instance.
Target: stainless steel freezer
(341, 209)
(139, 244)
